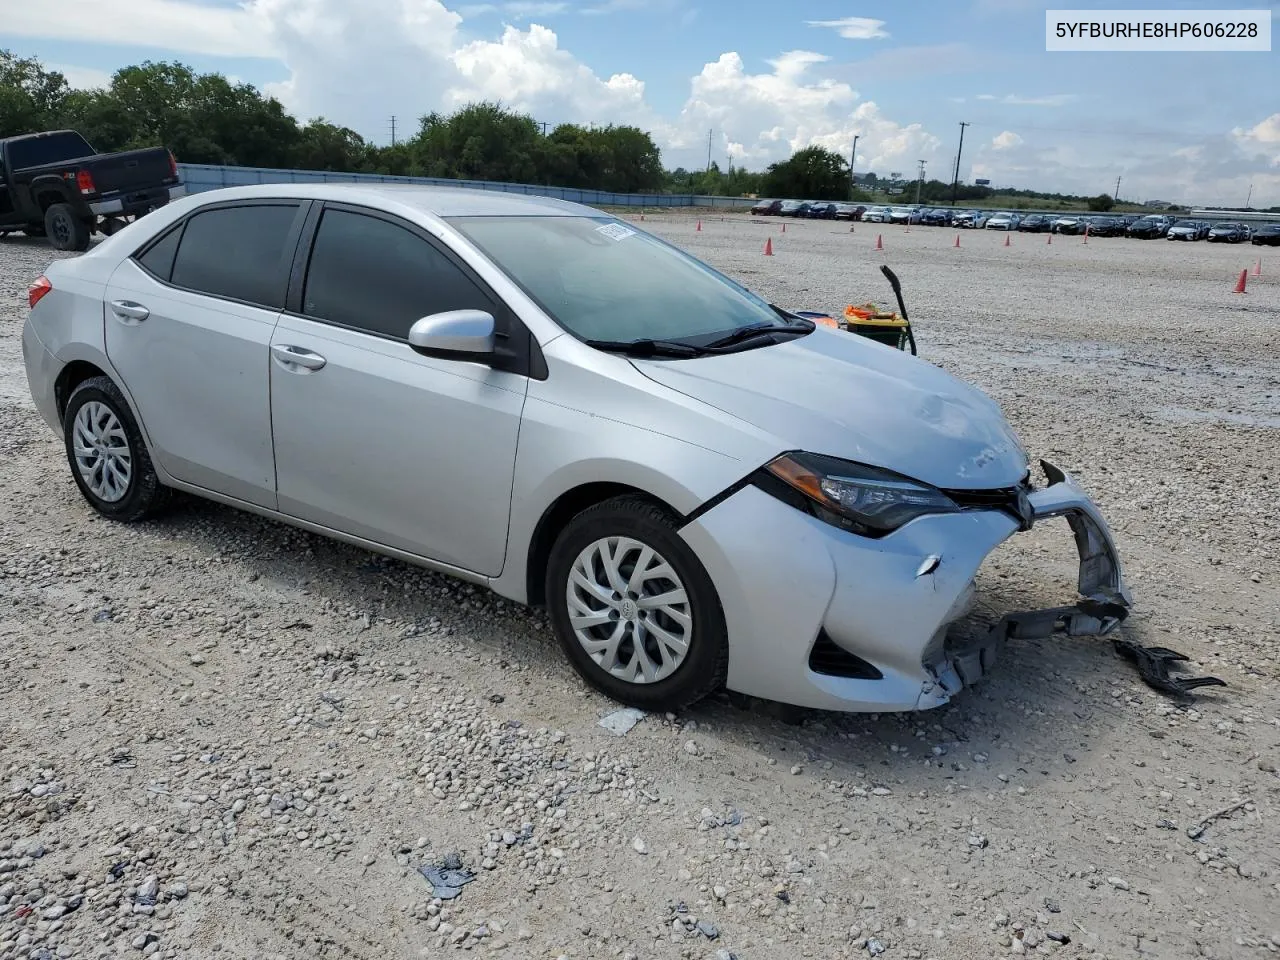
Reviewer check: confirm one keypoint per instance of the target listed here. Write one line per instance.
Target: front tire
(108, 458)
(634, 609)
(66, 231)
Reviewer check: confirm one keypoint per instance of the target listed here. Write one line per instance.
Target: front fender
(562, 449)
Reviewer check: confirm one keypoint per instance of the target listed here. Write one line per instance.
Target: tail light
(173, 164)
(37, 290)
(84, 180)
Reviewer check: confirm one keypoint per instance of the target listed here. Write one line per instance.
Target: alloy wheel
(629, 610)
(102, 451)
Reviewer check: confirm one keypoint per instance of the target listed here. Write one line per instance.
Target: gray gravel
(221, 734)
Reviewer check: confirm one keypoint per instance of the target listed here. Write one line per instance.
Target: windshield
(1186, 223)
(602, 280)
(55, 148)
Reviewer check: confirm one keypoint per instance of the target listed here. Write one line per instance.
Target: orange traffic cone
(1244, 279)
(879, 242)
(957, 241)
(699, 226)
(768, 246)
(1006, 239)
(1257, 268)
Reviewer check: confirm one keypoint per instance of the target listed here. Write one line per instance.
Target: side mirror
(456, 334)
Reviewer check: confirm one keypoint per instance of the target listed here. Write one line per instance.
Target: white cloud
(768, 115)
(527, 70)
(176, 25)
(1263, 137)
(1053, 100)
(854, 28)
(523, 9)
(1006, 140)
(82, 78)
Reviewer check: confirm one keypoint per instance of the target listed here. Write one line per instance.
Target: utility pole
(1248, 198)
(393, 129)
(955, 177)
(1117, 196)
(853, 158)
(709, 133)
(919, 180)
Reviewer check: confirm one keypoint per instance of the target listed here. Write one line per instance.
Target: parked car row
(1072, 224)
(811, 209)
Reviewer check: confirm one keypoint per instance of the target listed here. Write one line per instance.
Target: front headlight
(865, 500)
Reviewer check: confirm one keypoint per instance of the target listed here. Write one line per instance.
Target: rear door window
(238, 253)
(372, 275)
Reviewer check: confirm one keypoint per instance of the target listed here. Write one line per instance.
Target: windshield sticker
(615, 231)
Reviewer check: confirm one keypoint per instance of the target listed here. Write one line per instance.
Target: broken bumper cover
(883, 605)
(1104, 597)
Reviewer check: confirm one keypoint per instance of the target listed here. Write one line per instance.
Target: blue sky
(764, 77)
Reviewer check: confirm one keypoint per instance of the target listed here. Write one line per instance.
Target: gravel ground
(222, 737)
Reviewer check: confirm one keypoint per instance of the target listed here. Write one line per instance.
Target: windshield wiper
(750, 333)
(647, 348)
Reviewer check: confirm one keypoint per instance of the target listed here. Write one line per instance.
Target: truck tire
(66, 231)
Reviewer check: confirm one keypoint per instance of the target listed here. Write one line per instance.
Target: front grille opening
(834, 661)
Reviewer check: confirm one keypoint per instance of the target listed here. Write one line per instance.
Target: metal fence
(199, 177)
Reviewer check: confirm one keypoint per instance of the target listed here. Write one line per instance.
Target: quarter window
(372, 275)
(158, 260)
(237, 252)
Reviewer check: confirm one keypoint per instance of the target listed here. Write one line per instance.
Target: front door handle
(128, 310)
(293, 358)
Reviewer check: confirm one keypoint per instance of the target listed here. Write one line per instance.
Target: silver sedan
(535, 396)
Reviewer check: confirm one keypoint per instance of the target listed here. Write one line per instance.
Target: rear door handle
(128, 310)
(292, 358)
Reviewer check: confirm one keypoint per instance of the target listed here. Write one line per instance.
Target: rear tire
(108, 458)
(649, 632)
(66, 231)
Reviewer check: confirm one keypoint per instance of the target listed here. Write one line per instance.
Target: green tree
(482, 141)
(1101, 203)
(324, 146)
(633, 163)
(813, 173)
(30, 96)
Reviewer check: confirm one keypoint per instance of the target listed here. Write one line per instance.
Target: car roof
(439, 201)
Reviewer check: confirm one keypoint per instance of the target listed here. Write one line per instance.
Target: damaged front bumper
(824, 619)
(1104, 597)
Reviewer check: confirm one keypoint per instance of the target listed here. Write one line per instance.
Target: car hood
(842, 395)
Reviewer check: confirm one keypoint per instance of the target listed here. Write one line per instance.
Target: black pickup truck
(54, 184)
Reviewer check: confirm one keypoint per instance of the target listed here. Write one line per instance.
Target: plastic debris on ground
(447, 876)
(620, 722)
